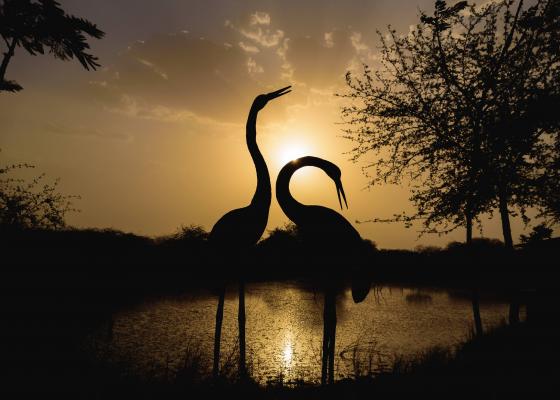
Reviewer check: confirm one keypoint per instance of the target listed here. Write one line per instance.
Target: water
(284, 330)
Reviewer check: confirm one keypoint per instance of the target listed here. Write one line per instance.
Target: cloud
(329, 42)
(179, 72)
(253, 67)
(156, 70)
(320, 61)
(364, 52)
(247, 48)
(264, 37)
(260, 18)
(175, 77)
(265, 46)
(258, 30)
(61, 129)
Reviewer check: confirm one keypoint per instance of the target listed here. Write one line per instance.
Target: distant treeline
(125, 258)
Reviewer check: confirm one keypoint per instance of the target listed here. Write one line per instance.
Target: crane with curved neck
(238, 231)
(316, 223)
(332, 239)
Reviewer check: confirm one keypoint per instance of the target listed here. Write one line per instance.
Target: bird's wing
(326, 223)
(236, 230)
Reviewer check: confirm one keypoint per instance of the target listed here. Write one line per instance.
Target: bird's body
(320, 227)
(239, 230)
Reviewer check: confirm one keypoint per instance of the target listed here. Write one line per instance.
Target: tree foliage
(42, 26)
(464, 107)
(540, 232)
(31, 204)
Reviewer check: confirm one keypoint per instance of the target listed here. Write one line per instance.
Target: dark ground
(58, 286)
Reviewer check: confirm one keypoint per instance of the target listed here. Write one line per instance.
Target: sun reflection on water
(288, 351)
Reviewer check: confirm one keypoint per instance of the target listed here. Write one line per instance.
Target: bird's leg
(241, 321)
(332, 336)
(476, 312)
(325, 356)
(218, 332)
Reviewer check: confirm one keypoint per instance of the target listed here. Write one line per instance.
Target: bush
(31, 204)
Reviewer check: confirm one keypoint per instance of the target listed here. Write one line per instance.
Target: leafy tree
(39, 26)
(31, 204)
(548, 195)
(456, 108)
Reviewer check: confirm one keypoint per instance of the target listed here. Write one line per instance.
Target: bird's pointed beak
(339, 191)
(279, 92)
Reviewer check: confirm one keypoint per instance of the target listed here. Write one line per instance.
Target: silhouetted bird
(331, 238)
(321, 228)
(239, 230)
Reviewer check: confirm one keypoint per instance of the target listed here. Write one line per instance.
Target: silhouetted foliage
(40, 26)
(192, 236)
(31, 204)
(477, 243)
(539, 233)
(281, 240)
(463, 107)
(422, 249)
(548, 184)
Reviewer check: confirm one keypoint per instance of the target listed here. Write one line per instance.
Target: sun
(292, 151)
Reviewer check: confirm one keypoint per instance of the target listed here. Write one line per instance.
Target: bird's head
(261, 100)
(335, 174)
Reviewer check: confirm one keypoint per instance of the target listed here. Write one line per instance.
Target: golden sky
(155, 139)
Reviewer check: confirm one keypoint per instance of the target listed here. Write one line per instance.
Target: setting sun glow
(292, 151)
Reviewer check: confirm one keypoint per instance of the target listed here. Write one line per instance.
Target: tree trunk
(218, 331)
(241, 321)
(504, 214)
(7, 56)
(508, 242)
(476, 313)
(469, 228)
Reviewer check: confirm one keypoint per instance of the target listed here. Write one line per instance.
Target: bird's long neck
(293, 209)
(263, 193)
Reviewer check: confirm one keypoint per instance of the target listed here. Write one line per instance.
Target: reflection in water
(285, 330)
(288, 351)
(419, 298)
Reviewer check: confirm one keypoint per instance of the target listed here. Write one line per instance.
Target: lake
(284, 330)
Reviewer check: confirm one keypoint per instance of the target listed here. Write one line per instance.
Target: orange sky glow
(155, 139)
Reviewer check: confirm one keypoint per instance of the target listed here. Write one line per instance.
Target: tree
(547, 184)
(42, 25)
(455, 108)
(31, 204)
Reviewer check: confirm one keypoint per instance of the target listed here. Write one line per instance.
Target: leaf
(10, 86)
